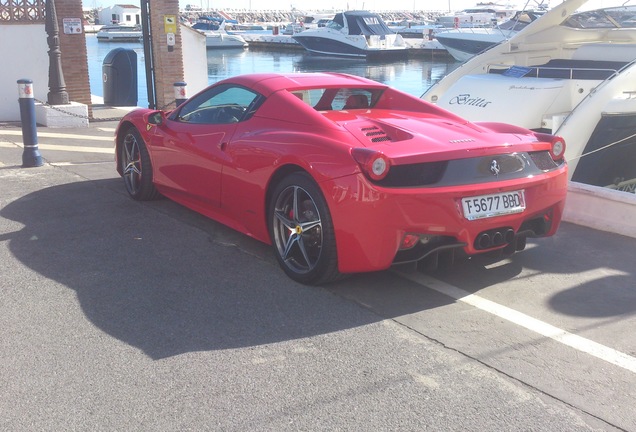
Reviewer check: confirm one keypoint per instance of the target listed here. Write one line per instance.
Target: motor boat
(571, 73)
(304, 22)
(293, 28)
(91, 27)
(120, 33)
(216, 35)
(353, 34)
(480, 15)
(315, 20)
(463, 43)
(221, 39)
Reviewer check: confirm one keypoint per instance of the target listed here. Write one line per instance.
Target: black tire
(302, 231)
(136, 167)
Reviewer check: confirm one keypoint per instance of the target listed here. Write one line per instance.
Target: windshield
(617, 17)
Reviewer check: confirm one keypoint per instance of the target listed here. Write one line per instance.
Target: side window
(310, 96)
(345, 98)
(220, 105)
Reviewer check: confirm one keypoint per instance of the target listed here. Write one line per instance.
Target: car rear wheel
(136, 167)
(302, 231)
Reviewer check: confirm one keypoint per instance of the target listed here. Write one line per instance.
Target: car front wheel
(136, 167)
(302, 231)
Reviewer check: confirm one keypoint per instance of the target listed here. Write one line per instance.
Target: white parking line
(58, 147)
(62, 164)
(579, 343)
(61, 135)
(81, 149)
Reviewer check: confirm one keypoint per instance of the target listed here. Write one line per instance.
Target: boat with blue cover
(359, 34)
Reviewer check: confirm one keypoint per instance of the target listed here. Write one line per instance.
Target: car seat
(356, 101)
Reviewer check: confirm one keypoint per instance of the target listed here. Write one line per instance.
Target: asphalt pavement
(119, 315)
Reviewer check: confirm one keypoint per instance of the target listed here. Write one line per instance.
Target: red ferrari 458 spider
(342, 174)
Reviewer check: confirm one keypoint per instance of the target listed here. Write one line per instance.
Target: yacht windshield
(617, 17)
(334, 25)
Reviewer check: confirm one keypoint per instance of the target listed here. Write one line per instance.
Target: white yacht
(571, 73)
(486, 14)
(463, 43)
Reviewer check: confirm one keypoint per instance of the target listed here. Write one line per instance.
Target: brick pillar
(74, 56)
(168, 62)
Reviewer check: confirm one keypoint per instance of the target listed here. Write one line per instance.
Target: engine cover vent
(375, 134)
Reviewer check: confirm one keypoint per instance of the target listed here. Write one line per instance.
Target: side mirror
(156, 118)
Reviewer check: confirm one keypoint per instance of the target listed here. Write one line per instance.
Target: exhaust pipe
(497, 238)
(484, 241)
(509, 235)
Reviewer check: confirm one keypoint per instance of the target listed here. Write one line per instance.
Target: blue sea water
(412, 76)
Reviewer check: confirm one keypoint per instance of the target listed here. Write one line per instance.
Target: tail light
(374, 164)
(557, 148)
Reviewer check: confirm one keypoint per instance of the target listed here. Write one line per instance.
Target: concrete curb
(601, 208)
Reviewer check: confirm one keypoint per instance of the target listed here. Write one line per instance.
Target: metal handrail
(571, 70)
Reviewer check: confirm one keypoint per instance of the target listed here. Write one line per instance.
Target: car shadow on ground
(168, 281)
(162, 278)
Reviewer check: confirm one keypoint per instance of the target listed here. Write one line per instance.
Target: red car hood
(423, 138)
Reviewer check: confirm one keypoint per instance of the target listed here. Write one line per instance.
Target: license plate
(485, 206)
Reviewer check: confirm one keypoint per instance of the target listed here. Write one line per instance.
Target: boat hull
(463, 46)
(340, 48)
(611, 152)
(224, 41)
(120, 39)
(119, 36)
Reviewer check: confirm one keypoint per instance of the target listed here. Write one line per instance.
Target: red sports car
(342, 174)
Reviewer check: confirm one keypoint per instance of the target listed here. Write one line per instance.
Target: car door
(189, 151)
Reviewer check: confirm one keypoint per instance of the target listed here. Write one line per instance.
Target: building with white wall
(195, 60)
(120, 14)
(25, 57)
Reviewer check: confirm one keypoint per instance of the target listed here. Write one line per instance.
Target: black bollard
(31, 155)
(180, 92)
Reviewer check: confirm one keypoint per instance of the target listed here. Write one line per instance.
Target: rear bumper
(370, 222)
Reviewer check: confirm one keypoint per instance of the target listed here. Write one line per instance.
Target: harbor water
(412, 76)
